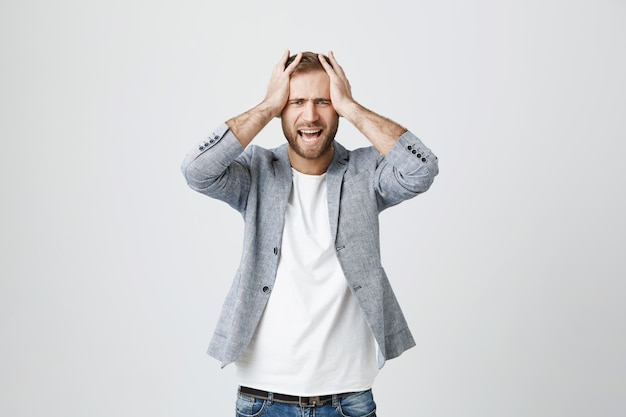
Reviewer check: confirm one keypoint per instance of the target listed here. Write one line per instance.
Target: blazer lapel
(283, 177)
(334, 180)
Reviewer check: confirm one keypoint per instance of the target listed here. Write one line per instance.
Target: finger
(293, 64)
(336, 66)
(285, 57)
(327, 67)
(280, 65)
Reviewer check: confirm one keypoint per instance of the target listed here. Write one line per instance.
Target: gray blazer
(360, 184)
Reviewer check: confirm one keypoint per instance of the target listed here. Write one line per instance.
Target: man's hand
(383, 133)
(340, 90)
(247, 125)
(278, 89)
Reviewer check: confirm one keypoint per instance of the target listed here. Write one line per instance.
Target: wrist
(267, 110)
(273, 109)
(350, 110)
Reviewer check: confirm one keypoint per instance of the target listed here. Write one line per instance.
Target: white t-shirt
(313, 338)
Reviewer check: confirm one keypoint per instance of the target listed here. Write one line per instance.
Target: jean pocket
(358, 405)
(249, 407)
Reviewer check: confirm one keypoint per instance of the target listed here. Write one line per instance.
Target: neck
(316, 166)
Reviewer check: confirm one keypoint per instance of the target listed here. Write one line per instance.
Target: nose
(309, 113)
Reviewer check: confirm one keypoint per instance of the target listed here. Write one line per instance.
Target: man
(311, 316)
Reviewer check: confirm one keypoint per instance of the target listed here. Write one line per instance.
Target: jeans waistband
(292, 399)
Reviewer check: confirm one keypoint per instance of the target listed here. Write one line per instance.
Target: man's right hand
(278, 89)
(247, 125)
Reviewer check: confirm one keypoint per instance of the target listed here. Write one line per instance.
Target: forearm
(247, 125)
(383, 133)
(216, 167)
(210, 158)
(407, 170)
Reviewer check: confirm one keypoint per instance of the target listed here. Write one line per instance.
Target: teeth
(309, 135)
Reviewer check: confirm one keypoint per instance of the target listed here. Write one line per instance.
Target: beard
(324, 140)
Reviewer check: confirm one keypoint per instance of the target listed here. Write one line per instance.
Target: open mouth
(309, 135)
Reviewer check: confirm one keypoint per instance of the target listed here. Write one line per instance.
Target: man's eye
(323, 102)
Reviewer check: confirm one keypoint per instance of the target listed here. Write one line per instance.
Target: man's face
(309, 120)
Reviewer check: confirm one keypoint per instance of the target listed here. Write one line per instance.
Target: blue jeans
(360, 404)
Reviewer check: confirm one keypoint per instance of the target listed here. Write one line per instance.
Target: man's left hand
(340, 90)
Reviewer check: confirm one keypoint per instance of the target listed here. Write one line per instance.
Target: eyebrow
(306, 99)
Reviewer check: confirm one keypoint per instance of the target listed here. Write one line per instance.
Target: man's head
(309, 119)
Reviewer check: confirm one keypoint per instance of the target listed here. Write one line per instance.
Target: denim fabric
(356, 405)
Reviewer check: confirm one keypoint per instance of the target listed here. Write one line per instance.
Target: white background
(510, 269)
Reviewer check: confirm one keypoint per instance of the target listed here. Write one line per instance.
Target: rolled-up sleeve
(408, 169)
(215, 167)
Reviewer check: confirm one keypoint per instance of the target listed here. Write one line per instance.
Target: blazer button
(266, 289)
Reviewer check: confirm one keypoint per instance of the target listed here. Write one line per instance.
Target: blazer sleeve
(218, 168)
(408, 170)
